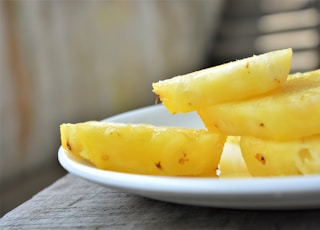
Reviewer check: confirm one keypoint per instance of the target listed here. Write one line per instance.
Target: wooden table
(72, 202)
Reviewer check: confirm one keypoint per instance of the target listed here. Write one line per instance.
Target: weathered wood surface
(72, 202)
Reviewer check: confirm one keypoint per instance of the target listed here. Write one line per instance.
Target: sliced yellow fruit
(70, 139)
(286, 158)
(144, 149)
(231, 163)
(233, 81)
(289, 112)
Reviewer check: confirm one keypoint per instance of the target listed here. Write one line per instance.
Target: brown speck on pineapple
(260, 158)
(183, 159)
(156, 101)
(261, 124)
(114, 133)
(68, 145)
(277, 80)
(247, 67)
(105, 157)
(158, 165)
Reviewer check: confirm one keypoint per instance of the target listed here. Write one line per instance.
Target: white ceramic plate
(243, 193)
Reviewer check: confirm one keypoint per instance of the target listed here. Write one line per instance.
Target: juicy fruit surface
(233, 81)
(276, 158)
(70, 139)
(231, 163)
(290, 112)
(144, 149)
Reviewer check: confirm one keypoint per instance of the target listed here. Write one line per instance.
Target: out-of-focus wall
(250, 27)
(71, 61)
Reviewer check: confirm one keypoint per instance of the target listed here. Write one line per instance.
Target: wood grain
(72, 202)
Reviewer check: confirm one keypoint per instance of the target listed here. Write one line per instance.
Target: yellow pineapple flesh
(281, 158)
(70, 139)
(233, 81)
(232, 164)
(144, 149)
(289, 112)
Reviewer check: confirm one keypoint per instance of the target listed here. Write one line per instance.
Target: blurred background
(72, 61)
